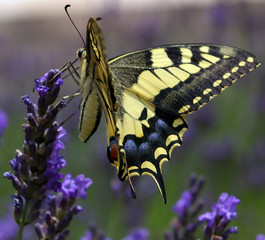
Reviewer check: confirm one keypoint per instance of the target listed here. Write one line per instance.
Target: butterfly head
(81, 53)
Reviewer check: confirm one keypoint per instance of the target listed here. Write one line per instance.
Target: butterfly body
(145, 96)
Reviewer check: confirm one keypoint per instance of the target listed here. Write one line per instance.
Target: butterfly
(145, 96)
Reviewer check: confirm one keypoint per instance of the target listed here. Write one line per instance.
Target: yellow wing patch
(210, 58)
(159, 58)
(181, 75)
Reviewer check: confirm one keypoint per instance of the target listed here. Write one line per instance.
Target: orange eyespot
(112, 151)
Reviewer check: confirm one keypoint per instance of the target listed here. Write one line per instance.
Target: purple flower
(50, 81)
(61, 208)
(42, 90)
(76, 187)
(37, 167)
(187, 207)
(14, 163)
(226, 206)
(48, 88)
(69, 188)
(260, 237)
(41, 81)
(94, 234)
(31, 108)
(88, 236)
(3, 122)
(9, 228)
(56, 161)
(138, 234)
(40, 194)
(18, 205)
(183, 204)
(9, 175)
(222, 213)
(83, 184)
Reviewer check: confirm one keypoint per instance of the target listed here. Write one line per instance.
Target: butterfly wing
(146, 95)
(156, 88)
(96, 84)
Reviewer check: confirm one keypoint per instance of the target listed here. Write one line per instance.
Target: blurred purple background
(225, 141)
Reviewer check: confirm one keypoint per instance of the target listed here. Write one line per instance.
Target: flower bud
(34, 211)
(63, 235)
(30, 107)
(40, 230)
(32, 120)
(64, 223)
(17, 208)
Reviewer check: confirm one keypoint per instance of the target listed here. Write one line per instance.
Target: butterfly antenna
(66, 10)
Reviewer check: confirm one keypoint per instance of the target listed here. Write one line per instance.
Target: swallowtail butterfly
(145, 96)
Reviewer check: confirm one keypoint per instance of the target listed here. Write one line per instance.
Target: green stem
(22, 222)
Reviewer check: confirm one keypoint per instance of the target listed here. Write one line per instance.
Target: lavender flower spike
(61, 208)
(36, 168)
(222, 213)
(186, 208)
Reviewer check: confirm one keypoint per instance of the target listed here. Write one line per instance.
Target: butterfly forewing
(178, 79)
(146, 95)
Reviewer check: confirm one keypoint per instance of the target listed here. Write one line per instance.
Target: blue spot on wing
(160, 125)
(141, 149)
(153, 137)
(144, 147)
(130, 149)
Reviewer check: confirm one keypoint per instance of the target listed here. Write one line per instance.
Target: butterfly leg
(72, 71)
(75, 76)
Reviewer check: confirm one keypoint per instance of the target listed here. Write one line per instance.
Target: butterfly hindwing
(147, 137)
(96, 84)
(90, 113)
(149, 143)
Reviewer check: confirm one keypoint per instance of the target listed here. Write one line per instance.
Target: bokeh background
(225, 142)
